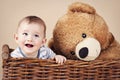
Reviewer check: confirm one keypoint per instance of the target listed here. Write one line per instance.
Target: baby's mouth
(29, 45)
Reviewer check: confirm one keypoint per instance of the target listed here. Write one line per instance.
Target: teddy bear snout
(87, 50)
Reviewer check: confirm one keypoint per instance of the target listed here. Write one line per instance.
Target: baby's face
(30, 37)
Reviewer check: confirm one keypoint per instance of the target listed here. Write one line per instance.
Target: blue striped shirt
(43, 53)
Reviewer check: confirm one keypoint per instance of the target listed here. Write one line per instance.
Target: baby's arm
(59, 59)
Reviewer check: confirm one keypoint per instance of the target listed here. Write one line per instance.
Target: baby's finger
(59, 61)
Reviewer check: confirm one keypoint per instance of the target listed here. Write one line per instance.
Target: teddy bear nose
(83, 52)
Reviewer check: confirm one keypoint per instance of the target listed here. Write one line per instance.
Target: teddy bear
(82, 34)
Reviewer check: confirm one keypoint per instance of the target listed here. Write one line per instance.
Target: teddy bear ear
(81, 7)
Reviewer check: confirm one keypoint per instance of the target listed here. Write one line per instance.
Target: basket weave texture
(37, 69)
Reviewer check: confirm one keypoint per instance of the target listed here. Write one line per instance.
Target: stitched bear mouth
(29, 45)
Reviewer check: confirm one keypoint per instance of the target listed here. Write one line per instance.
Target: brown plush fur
(82, 19)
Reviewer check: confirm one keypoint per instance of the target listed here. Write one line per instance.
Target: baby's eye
(25, 34)
(36, 35)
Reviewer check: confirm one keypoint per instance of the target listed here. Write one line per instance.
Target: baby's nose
(29, 38)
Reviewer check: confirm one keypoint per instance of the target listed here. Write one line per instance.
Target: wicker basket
(37, 69)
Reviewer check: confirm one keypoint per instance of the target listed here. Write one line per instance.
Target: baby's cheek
(39, 44)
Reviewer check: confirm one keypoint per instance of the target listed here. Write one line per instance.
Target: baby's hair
(34, 19)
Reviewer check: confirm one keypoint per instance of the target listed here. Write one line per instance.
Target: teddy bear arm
(113, 52)
(50, 44)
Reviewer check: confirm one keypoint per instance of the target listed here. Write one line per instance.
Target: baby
(31, 39)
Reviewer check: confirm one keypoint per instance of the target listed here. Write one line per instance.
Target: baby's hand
(60, 59)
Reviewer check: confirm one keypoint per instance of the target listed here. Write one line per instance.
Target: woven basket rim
(47, 69)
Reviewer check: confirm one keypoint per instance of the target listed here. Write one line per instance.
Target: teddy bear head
(81, 33)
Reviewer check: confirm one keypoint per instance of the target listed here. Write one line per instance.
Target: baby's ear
(44, 41)
(16, 37)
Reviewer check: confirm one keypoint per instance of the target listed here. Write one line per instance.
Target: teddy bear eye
(72, 52)
(84, 35)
